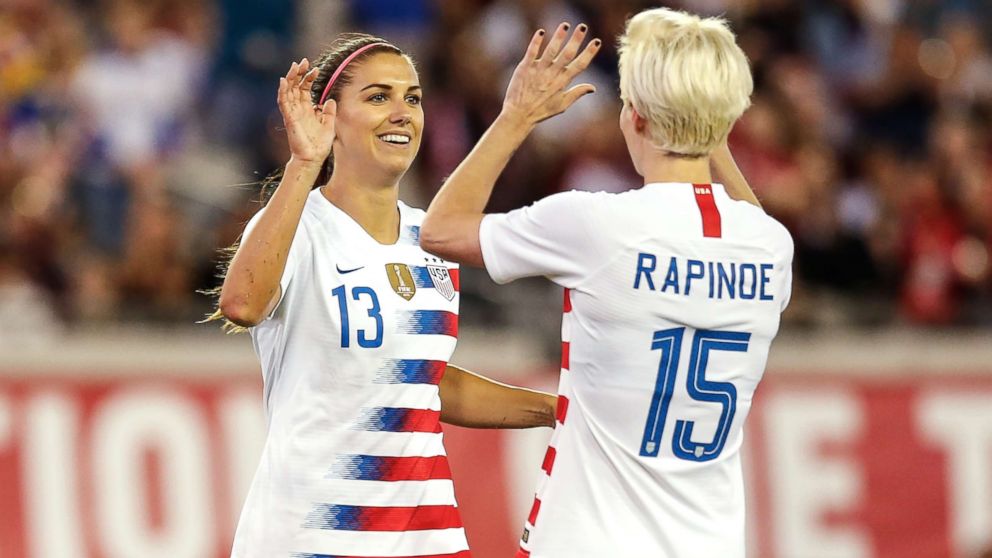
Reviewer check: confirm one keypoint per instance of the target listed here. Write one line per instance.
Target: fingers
(572, 46)
(534, 48)
(298, 81)
(554, 45)
(565, 51)
(576, 93)
(328, 112)
(580, 63)
(306, 84)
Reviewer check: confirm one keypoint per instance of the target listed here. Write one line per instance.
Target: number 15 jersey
(673, 295)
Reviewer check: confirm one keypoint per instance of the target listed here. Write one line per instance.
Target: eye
(378, 97)
(413, 99)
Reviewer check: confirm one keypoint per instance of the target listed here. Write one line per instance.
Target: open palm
(309, 128)
(537, 89)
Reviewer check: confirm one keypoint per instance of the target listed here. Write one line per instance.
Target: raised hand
(310, 128)
(537, 89)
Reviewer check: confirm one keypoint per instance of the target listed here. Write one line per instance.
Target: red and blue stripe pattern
(391, 469)
(411, 234)
(399, 419)
(337, 517)
(410, 371)
(428, 322)
(421, 277)
(461, 554)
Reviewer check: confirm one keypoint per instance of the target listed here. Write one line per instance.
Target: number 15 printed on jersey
(724, 394)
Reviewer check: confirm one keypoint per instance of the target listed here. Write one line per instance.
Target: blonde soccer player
(673, 293)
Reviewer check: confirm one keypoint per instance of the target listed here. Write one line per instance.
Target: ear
(640, 123)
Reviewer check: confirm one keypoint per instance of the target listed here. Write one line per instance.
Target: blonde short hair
(686, 76)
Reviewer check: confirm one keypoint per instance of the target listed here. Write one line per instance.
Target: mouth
(398, 139)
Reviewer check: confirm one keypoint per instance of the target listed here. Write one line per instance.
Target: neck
(371, 203)
(660, 166)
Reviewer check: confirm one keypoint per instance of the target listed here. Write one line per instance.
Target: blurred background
(134, 135)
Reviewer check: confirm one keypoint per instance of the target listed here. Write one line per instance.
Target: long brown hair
(327, 63)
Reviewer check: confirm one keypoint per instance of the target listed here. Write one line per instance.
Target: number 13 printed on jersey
(669, 342)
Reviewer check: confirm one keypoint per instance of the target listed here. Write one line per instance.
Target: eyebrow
(387, 87)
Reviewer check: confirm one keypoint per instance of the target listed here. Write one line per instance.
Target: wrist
(550, 410)
(515, 120)
(304, 165)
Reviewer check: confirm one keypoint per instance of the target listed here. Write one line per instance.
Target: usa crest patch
(442, 281)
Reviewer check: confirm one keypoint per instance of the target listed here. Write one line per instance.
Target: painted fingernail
(582, 27)
(565, 26)
(597, 42)
(541, 32)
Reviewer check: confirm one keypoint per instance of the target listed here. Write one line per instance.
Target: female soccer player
(354, 325)
(673, 293)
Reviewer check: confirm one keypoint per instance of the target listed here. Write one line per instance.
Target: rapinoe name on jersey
(721, 280)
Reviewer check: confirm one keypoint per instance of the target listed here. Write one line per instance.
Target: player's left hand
(537, 89)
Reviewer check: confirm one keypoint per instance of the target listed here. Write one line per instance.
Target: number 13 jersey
(672, 297)
(353, 463)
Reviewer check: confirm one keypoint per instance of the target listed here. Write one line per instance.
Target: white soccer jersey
(673, 295)
(353, 463)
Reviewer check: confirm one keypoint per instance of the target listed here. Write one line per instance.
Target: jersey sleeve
(298, 247)
(555, 237)
(785, 262)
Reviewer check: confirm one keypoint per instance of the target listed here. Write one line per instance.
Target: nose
(402, 114)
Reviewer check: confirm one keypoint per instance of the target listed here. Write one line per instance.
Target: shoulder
(568, 204)
(773, 233)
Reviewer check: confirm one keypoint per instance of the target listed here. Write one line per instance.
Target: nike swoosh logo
(343, 271)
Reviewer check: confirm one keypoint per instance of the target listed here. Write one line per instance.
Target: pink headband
(334, 76)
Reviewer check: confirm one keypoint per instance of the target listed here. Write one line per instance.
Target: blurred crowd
(135, 133)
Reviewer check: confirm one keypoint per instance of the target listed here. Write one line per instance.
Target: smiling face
(379, 118)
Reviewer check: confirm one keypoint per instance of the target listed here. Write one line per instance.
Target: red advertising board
(841, 467)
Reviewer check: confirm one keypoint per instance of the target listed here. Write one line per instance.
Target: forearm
(731, 177)
(462, 199)
(252, 280)
(473, 401)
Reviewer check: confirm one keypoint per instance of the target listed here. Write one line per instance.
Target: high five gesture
(537, 89)
(309, 128)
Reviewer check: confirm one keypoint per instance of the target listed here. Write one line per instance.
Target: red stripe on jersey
(419, 420)
(534, 510)
(415, 468)
(565, 351)
(549, 459)
(521, 553)
(712, 226)
(418, 518)
(567, 304)
(455, 278)
(562, 410)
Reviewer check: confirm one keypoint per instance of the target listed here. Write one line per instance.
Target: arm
(252, 284)
(731, 176)
(470, 400)
(536, 92)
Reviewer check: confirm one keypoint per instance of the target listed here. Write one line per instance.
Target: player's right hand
(537, 88)
(309, 128)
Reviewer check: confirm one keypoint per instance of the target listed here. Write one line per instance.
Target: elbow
(432, 239)
(237, 310)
